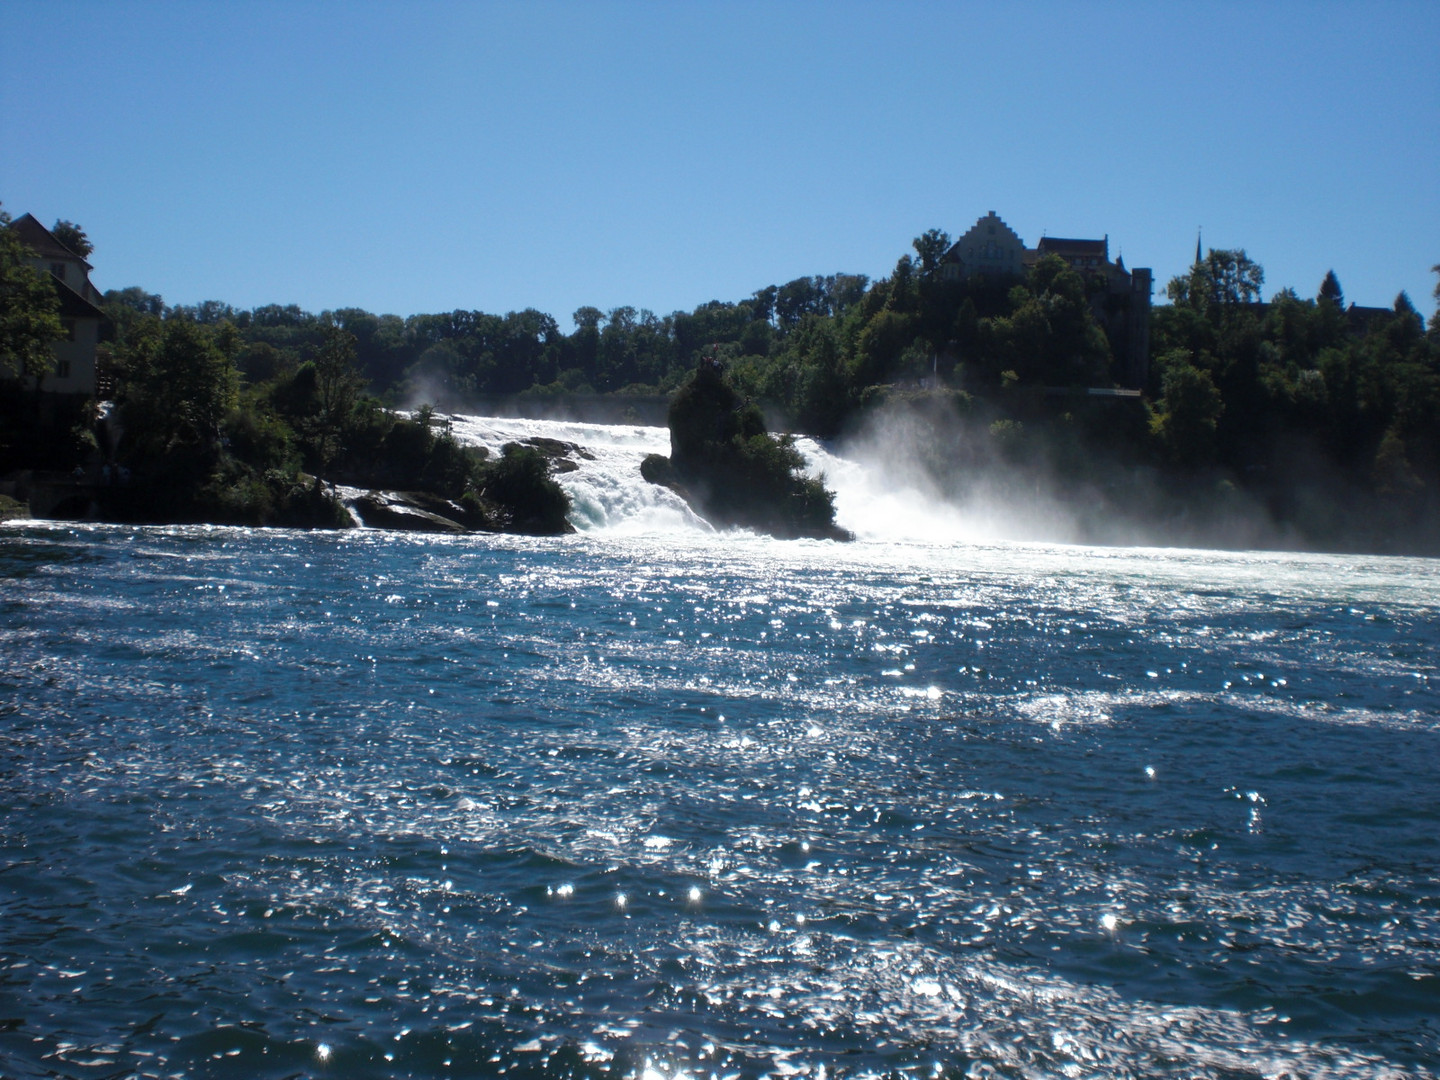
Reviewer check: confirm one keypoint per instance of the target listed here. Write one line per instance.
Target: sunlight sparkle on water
(966, 848)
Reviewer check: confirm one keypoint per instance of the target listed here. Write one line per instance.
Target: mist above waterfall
(907, 476)
(903, 477)
(933, 474)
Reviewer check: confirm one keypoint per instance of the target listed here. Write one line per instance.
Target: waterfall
(607, 491)
(883, 501)
(610, 495)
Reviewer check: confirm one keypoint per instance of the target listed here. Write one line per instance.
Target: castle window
(69, 325)
(62, 369)
(58, 269)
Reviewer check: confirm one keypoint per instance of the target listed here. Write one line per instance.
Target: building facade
(1119, 298)
(990, 247)
(75, 369)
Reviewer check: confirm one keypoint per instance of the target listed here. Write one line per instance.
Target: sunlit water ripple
(653, 802)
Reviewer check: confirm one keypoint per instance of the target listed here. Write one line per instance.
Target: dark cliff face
(733, 472)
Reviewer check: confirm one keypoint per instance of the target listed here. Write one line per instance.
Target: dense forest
(1304, 405)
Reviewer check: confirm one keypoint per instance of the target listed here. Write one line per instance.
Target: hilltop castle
(1119, 298)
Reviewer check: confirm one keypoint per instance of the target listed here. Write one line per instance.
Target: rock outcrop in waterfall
(732, 471)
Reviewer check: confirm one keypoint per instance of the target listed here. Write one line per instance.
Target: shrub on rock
(732, 471)
(519, 484)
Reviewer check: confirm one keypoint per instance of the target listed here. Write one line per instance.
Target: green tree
(820, 396)
(337, 387)
(179, 384)
(29, 310)
(337, 380)
(878, 350)
(931, 247)
(73, 237)
(1330, 291)
(904, 289)
(1391, 469)
(1188, 413)
(1220, 283)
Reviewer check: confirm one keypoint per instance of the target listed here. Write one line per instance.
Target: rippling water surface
(670, 804)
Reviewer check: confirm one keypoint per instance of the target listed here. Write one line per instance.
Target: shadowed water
(665, 803)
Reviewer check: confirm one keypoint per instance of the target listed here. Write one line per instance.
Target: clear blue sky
(423, 157)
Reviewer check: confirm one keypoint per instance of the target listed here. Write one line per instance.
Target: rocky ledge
(518, 495)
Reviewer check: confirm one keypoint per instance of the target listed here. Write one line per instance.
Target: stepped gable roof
(41, 240)
(993, 226)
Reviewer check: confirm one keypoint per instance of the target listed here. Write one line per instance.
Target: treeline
(211, 422)
(1298, 402)
(810, 348)
(1232, 381)
(1295, 386)
(462, 355)
(1303, 403)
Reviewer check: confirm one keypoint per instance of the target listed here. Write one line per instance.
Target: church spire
(1198, 257)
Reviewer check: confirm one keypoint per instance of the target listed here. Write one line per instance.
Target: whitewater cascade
(607, 491)
(610, 495)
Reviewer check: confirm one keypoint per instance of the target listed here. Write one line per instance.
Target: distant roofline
(28, 224)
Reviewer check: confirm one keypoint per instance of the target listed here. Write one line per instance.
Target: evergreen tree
(1330, 291)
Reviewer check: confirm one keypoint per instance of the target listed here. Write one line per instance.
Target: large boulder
(404, 510)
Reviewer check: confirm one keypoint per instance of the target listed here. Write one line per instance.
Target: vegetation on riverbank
(1322, 417)
(190, 440)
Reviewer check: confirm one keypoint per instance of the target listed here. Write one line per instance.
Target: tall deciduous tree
(1188, 417)
(337, 379)
(1219, 284)
(73, 237)
(179, 385)
(931, 247)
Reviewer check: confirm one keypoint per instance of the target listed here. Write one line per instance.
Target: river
(656, 803)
